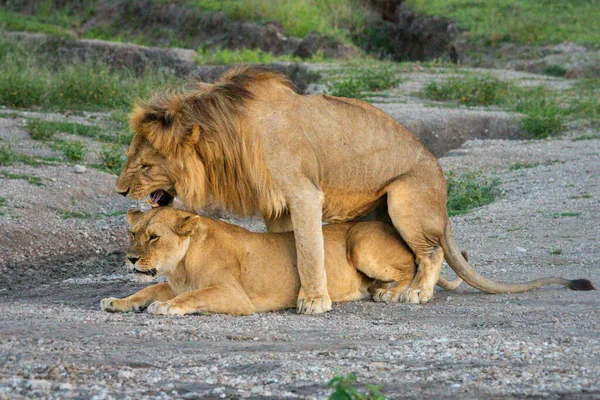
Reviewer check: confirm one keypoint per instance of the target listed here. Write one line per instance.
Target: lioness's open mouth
(150, 272)
(160, 198)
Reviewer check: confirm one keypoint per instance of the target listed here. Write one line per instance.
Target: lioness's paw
(415, 295)
(113, 304)
(313, 305)
(107, 305)
(165, 308)
(159, 308)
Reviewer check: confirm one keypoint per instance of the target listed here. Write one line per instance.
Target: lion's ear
(188, 225)
(162, 121)
(133, 216)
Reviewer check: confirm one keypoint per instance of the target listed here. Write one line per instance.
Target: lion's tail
(452, 285)
(458, 263)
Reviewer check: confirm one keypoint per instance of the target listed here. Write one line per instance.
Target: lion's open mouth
(160, 198)
(150, 272)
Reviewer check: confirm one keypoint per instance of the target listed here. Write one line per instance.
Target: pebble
(79, 169)
(521, 249)
(38, 384)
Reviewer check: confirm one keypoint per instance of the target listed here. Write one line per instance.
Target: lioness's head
(159, 240)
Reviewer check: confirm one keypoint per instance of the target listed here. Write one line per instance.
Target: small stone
(126, 374)
(65, 386)
(38, 384)
(79, 169)
(521, 250)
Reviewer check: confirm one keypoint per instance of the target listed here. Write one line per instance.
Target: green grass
(247, 56)
(586, 137)
(344, 389)
(297, 17)
(523, 21)
(40, 129)
(468, 191)
(73, 151)
(566, 214)
(582, 196)
(519, 165)
(57, 25)
(112, 159)
(34, 180)
(545, 111)
(471, 91)
(226, 56)
(556, 252)
(27, 81)
(8, 157)
(3, 202)
(66, 214)
(361, 83)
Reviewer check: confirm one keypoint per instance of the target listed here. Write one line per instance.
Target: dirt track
(54, 341)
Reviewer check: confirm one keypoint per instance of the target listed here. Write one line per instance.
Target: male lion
(250, 143)
(216, 267)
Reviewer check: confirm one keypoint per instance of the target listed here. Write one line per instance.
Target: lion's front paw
(384, 295)
(313, 305)
(416, 295)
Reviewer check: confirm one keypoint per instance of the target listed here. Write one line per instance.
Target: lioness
(252, 144)
(216, 267)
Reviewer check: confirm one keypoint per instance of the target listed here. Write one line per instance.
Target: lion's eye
(153, 238)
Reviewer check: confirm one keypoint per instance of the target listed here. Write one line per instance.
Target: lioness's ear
(188, 225)
(133, 216)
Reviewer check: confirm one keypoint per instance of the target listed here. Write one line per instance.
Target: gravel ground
(54, 341)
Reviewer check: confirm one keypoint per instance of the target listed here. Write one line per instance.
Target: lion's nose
(133, 260)
(125, 193)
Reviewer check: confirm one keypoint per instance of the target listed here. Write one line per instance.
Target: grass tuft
(73, 151)
(343, 389)
(34, 180)
(519, 165)
(361, 83)
(28, 81)
(468, 191)
(111, 159)
(544, 112)
(471, 91)
(7, 155)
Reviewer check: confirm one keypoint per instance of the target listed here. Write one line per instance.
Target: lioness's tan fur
(250, 143)
(216, 267)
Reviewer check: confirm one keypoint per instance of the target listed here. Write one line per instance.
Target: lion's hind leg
(417, 207)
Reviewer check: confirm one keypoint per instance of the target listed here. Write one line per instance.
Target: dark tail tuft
(581, 284)
(465, 256)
